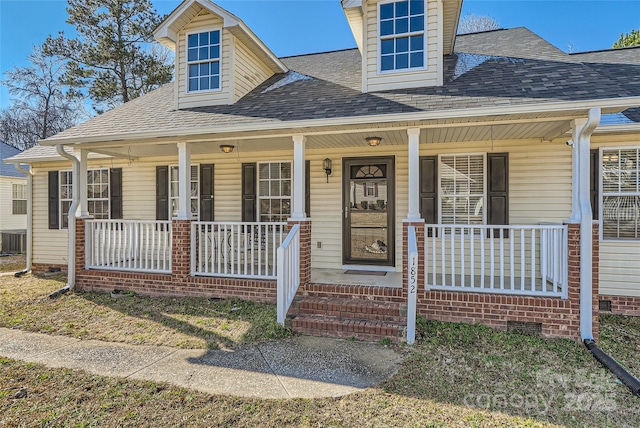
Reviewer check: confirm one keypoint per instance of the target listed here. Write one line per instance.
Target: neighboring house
(13, 203)
(253, 174)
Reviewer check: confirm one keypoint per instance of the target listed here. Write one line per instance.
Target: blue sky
(294, 27)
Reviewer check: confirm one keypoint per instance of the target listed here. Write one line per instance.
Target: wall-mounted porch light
(326, 165)
(373, 141)
(226, 148)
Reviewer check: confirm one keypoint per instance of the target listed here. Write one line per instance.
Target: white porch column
(581, 133)
(297, 212)
(82, 183)
(414, 173)
(184, 181)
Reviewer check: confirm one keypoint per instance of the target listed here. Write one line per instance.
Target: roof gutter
(27, 171)
(614, 104)
(71, 262)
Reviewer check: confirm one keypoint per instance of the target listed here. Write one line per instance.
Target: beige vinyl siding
(539, 177)
(9, 221)
(248, 71)
(205, 21)
(431, 76)
(49, 246)
(619, 260)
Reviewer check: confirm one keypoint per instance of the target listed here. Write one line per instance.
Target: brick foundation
(559, 317)
(305, 249)
(623, 305)
(41, 268)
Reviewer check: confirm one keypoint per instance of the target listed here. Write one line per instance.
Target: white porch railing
(520, 260)
(235, 249)
(412, 286)
(288, 272)
(128, 245)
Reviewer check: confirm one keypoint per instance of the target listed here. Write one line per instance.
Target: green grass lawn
(456, 375)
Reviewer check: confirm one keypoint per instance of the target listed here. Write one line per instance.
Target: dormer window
(203, 61)
(402, 35)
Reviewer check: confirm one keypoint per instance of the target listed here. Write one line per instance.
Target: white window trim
(197, 197)
(107, 199)
(415, 33)
(601, 194)
(14, 196)
(61, 214)
(186, 60)
(259, 198)
(484, 183)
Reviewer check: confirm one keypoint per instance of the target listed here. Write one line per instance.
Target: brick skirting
(623, 305)
(40, 268)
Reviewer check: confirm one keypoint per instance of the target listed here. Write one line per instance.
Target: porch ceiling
(434, 132)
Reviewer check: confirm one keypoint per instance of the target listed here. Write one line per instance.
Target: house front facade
(462, 171)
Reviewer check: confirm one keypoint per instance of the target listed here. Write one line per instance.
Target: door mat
(364, 272)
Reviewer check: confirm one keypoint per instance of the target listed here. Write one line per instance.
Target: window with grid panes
(621, 193)
(462, 189)
(66, 195)
(274, 191)
(98, 193)
(402, 35)
(203, 61)
(19, 198)
(174, 191)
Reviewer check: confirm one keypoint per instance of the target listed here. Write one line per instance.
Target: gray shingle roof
(614, 63)
(521, 68)
(7, 169)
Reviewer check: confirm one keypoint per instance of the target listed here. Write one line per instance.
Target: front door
(368, 196)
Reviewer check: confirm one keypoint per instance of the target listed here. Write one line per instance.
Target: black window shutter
(594, 183)
(206, 192)
(54, 211)
(429, 189)
(498, 188)
(249, 192)
(307, 188)
(116, 193)
(162, 193)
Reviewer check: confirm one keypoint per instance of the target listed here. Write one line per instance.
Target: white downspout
(583, 146)
(76, 183)
(29, 175)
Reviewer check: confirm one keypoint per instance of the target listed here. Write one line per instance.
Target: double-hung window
(621, 193)
(19, 199)
(462, 189)
(274, 191)
(194, 189)
(402, 35)
(98, 194)
(66, 196)
(203, 61)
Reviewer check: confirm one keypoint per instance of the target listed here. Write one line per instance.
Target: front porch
(510, 261)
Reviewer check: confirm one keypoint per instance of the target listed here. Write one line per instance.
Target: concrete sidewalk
(301, 366)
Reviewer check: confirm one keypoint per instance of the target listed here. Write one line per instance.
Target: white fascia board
(606, 105)
(259, 44)
(616, 129)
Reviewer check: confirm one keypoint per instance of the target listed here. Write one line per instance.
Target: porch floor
(339, 277)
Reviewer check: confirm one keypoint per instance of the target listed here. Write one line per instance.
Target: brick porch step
(345, 318)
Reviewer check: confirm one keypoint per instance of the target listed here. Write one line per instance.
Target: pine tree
(111, 56)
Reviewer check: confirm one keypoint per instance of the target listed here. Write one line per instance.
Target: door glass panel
(368, 219)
